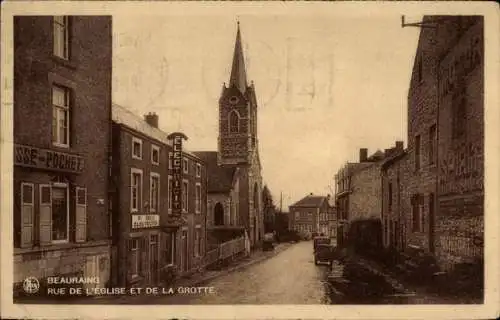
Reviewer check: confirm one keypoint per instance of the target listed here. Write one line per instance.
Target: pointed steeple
(238, 72)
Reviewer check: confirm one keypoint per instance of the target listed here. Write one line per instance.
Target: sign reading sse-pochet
(33, 157)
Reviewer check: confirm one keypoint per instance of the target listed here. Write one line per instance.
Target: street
(287, 278)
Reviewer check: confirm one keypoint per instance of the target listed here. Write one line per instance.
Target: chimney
(363, 154)
(399, 145)
(151, 119)
(387, 152)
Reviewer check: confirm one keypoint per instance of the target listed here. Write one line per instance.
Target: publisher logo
(31, 285)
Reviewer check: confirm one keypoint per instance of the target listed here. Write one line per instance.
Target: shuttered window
(27, 214)
(81, 215)
(45, 214)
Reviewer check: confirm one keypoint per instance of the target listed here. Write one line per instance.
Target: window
(185, 165)
(155, 154)
(154, 194)
(185, 194)
(390, 196)
(170, 161)
(417, 152)
(136, 148)
(169, 193)
(135, 257)
(198, 170)
(198, 198)
(61, 37)
(197, 241)
(135, 189)
(432, 144)
(27, 214)
(60, 116)
(234, 122)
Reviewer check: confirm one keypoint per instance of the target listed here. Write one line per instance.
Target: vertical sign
(177, 138)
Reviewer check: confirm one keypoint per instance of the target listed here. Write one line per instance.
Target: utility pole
(281, 202)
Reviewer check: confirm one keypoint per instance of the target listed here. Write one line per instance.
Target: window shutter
(27, 214)
(81, 215)
(45, 214)
(143, 255)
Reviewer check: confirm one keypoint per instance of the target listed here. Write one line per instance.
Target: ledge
(62, 246)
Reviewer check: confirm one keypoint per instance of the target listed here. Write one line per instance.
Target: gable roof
(220, 178)
(125, 117)
(310, 201)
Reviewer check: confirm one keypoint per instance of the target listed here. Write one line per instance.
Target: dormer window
(234, 122)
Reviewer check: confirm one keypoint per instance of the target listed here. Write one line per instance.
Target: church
(234, 170)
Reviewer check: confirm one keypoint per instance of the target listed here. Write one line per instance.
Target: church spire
(238, 73)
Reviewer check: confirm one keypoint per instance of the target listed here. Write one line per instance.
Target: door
(91, 270)
(153, 259)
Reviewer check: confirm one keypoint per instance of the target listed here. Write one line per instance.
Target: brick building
(310, 215)
(446, 148)
(146, 236)
(62, 118)
(238, 160)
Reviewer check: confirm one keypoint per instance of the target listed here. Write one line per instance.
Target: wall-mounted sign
(145, 221)
(33, 157)
(177, 138)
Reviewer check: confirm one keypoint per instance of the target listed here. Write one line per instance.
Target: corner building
(62, 117)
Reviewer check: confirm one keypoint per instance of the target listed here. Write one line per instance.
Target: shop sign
(177, 138)
(145, 221)
(26, 156)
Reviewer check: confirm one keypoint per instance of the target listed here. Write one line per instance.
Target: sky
(326, 85)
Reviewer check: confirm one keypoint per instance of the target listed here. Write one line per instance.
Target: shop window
(27, 214)
(198, 198)
(61, 36)
(155, 155)
(60, 116)
(135, 189)
(154, 192)
(136, 148)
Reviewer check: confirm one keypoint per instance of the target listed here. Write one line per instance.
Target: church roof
(238, 72)
(310, 201)
(220, 178)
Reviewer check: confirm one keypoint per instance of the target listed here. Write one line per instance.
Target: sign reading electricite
(33, 157)
(177, 138)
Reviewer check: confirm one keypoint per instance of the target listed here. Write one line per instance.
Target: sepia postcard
(249, 160)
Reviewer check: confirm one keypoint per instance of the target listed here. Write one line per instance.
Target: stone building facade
(62, 118)
(446, 149)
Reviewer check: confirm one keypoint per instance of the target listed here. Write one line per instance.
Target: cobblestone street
(287, 278)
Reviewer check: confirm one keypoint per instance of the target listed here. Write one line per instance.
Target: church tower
(237, 113)
(238, 144)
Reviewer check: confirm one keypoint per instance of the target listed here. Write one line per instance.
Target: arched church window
(234, 122)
